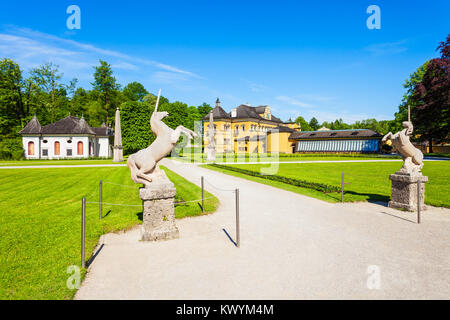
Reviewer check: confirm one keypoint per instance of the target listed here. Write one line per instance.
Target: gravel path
(292, 247)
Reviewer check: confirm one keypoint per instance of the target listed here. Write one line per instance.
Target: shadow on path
(91, 260)
(229, 237)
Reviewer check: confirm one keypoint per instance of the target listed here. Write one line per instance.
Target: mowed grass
(230, 158)
(17, 163)
(369, 181)
(40, 222)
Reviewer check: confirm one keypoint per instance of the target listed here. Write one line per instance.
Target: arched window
(57, 148)
(31, 148)
(80, 148)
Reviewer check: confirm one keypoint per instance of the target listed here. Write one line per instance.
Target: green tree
(431, 99)
(204, 109)
(135, 123)
(52, 93)
(303, 124)
(11, 104)
(134, 91)
(105, 83)
(314, 124)
(193, 115)
(410, 85)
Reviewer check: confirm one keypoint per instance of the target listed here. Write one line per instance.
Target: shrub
(325, 188)
(11, 148)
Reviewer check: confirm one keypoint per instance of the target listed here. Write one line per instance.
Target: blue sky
(309, 58)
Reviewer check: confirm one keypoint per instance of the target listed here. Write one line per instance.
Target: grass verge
(368, 181)
(41, 216)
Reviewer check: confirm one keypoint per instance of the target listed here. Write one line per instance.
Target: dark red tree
(432, 94)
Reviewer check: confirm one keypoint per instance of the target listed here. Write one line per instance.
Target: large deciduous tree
(47, 78)
(314, 123)
(105, 83)
(432, 98)
(134, 91)
(304, 125)
(11, 104)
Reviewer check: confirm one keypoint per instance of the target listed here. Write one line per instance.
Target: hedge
(325, 188)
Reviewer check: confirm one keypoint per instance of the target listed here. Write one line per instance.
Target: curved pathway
(292, 247)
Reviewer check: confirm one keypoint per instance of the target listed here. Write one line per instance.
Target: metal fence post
(203, 195)
(418, 201)
(101, 199)
(83, 231)
(238, 236)
(342, 188)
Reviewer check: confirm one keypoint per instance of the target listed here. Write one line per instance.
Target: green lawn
(56, 162)
(368, 181)
(221, 158)
(40, 218)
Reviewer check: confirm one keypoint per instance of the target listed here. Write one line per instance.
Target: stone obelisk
(118, 149)
(211, 148)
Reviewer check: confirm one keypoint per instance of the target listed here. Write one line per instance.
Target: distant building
(70, 137)
(347, 141)
(248, 129)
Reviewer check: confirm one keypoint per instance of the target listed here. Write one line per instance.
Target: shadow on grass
(372, 197)
(139, 215)
(109, 211)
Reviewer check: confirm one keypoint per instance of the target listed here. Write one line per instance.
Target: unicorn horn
(157, 100)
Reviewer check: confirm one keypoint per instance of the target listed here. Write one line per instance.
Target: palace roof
(331, 134)
(68, 125)
(242, 112)
(32, 127)
(218, 113)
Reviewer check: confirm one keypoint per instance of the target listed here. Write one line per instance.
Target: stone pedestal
(117, 154)
(210, 153)
(158, 211)
(404, 191)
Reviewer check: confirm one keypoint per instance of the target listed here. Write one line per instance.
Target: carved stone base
(210, 154)
(117, 154)
(404, 191)
(158, 211)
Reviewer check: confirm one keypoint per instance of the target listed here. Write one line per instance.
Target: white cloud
(294, 102)
(32, 48)
(164, 77)
(387, 48)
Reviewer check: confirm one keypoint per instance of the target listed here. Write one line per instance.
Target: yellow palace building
(248, 129)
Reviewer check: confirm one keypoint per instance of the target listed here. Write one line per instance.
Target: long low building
(67, 138)
(353, 140)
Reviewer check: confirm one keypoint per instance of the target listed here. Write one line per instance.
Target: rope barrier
(117, 204)
(181, 202)
(220, 189)
(122, 185)
(135, 205)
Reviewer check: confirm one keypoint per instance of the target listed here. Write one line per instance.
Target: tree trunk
(430, 150)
